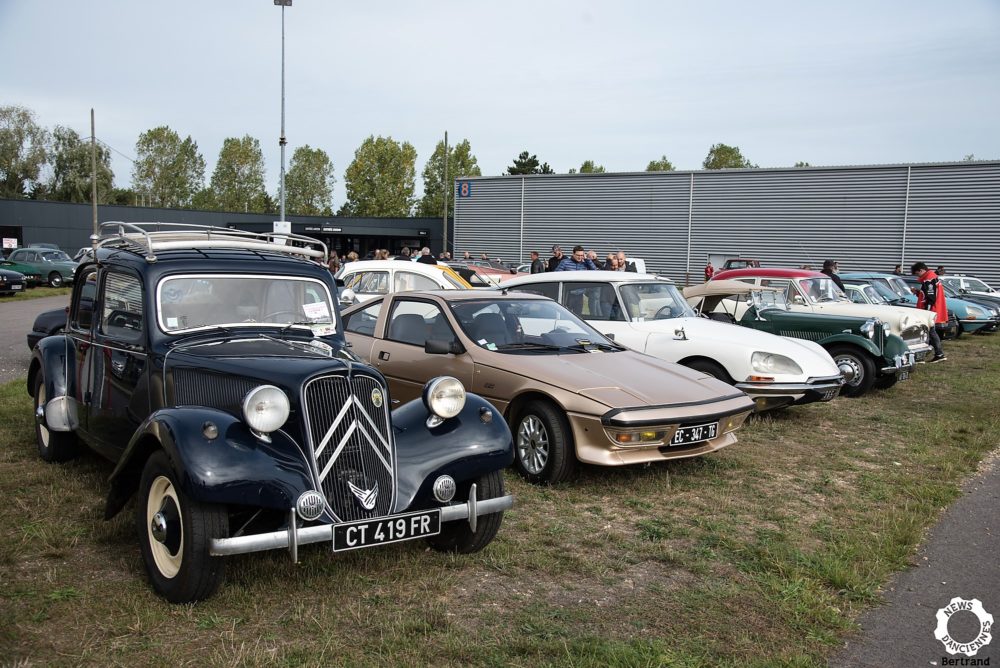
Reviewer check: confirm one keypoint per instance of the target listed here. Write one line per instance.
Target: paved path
(960, 558)
(16, 319)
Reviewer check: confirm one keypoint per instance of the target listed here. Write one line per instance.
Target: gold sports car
(568, 393)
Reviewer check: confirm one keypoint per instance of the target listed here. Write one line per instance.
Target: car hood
(898, 318)
(626, 379)
(706, 337)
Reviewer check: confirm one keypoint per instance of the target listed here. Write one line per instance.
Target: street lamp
(281, 140)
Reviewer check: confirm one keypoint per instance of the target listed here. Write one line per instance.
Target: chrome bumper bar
(920, 350)
(290, 539)
(904, 362)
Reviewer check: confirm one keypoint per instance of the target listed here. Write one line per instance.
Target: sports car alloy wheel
(532, 444)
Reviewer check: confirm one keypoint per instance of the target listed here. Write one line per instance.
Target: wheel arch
(702, 358)
(517, 404)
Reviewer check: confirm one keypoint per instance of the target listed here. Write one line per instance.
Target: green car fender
(894, 345)
(855, 340)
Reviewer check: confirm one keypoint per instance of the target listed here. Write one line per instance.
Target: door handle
(383, 355)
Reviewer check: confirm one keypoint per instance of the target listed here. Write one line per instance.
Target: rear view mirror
(339, 282)
(347, 297)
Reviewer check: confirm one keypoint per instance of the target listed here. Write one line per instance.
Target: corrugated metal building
(871, 217)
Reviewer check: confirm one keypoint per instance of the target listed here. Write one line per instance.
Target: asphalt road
(961, 557)
(15, 323)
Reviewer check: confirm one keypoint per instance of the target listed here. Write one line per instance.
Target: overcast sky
(618, 82)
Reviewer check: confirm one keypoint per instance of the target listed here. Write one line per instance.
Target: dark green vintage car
(865, 351)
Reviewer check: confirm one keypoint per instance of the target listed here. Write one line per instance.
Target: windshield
(899, 286)
(55, 256)
(765, 299)
(654, 301)
(873, 295)
(528, 325)
(885, 290)
(977, 285)
(203, 301)
(821, 290)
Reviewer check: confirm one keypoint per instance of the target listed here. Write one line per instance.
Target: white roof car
(367, 279)
(650, 315)
(969, 285)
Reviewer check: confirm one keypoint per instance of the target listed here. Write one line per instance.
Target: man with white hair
(426, 257)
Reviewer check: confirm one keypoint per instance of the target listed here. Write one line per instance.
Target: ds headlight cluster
(265, 409)
(773, 363)
(444, 397)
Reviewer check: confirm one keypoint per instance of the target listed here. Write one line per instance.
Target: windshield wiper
(586, 345)
(303, 323)
(529, 345)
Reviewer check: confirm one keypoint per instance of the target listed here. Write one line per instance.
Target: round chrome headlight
(444, 396)
(773, 363)
(265, 408)
(868, 328)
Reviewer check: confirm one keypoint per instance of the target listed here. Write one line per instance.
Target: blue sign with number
(464, 189)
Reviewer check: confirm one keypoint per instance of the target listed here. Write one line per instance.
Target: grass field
(37, 293)
(763, 554)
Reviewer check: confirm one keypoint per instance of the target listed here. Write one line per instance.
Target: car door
(80, 350)
(398, 350)
(360, 328)
(120, 397)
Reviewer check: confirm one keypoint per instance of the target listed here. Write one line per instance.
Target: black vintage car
(12, 282)
(210, 366)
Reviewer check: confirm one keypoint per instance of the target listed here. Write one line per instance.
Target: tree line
(169, 171)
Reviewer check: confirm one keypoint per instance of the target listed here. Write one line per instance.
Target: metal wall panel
(784, 217)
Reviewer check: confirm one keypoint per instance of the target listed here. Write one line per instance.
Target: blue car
(972, 316)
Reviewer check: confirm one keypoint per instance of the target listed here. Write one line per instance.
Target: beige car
(568, 393)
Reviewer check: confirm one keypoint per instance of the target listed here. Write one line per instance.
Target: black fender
(49, 357)
(235, 468)
(464, 447)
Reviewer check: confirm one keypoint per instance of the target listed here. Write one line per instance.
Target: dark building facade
(69, 226)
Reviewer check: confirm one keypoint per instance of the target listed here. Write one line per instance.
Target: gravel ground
(15, 323)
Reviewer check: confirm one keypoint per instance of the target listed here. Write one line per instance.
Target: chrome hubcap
(851, 368)
(158, 527)
(532, 444)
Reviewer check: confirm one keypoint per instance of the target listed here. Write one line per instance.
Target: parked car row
(243, 411)
(37, 265)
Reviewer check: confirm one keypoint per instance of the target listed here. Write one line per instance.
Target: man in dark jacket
(537, 266)
(403, 254)
(930, 296)
(578, 262)
(557, 257)
(830, 269)
(426, 257)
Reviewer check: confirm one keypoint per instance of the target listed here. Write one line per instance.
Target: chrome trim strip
(279, 540)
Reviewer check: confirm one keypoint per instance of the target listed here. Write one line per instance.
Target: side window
(416, 322)
(82, 316)
(121, 299)
(370, 282)
(592, 301)
(857, 297)
(363, 321)
(547, 289)
(407, 281)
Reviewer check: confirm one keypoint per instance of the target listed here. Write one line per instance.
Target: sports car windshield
(873, 295)
(527, 326)
(654, 301)
(821, 290)
(204, 301)
(899, 286)
(765, 299)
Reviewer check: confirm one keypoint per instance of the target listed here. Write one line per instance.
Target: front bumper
(769, 396)
(920, 350)
(291, 538)
(901, 363)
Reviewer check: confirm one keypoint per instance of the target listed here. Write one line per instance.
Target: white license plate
(701, 432)
(16, 286)
(385, 530)
(903, 375)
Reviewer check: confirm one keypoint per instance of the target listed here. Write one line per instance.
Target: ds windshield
(188, 303)
(654, 301)
(529, 325)
(873, 295)
(821, 290)
(899, 286)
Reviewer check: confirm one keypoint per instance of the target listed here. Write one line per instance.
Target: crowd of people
(580, 260)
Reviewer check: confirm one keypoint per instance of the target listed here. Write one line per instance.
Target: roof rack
(148, 238)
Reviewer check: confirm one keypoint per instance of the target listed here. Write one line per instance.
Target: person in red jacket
(930, 296)
(709, 271)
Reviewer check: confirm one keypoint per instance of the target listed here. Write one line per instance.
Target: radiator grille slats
(195, 387)
(352, 446)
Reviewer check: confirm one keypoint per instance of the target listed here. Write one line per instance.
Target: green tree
(238, 180)
(661, 165)
(461, 162)
(802, 164)
(380, 179)
(71, 169)
(527, 163)
(23, 152)
(309, 182)
(588, 167)
(167, 169)
(722, 156)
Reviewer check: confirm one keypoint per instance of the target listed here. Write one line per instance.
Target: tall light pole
(445, 244)
(281, 140)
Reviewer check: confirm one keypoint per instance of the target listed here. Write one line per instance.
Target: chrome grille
(194, 387)
(801, 334)
(351, 444)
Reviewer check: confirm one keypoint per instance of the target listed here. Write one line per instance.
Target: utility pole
(282, 141)
(93, 168)
(444, 241)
